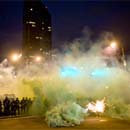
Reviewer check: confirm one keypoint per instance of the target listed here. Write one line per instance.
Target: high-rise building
(36, 28)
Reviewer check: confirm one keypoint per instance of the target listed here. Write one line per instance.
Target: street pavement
(36, 123)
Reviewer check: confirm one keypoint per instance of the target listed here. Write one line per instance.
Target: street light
(16, 57)
(114, 45)
(38, 59)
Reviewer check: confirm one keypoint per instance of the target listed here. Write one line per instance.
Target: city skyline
(36, 28)
(68, 21)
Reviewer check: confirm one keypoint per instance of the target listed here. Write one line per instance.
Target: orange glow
(99, 106)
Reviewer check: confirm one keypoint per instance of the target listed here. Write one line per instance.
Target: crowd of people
(14, 106)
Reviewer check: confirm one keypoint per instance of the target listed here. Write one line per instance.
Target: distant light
(124, 63)
(69, 71)
(41, 49)
(38, 37)
(32, 22)
(31, 9)
(106, 87)
(16, 57)
(100, 73)
(38, 59)
(33, 25)
(41, 38)
(113, 45)
(49, 28)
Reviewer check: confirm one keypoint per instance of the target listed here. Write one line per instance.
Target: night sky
(68, 20)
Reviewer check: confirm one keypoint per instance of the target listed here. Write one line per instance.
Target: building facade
(36, 28)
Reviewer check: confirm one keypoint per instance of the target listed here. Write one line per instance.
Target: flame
(99, 106)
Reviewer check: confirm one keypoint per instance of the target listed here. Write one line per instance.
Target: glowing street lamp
(38, 58)
(110, 50)
(114, 45)
(16, 57)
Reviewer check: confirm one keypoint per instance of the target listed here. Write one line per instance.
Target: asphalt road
(93, 123)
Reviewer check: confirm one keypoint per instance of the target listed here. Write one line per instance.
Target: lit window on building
(41, 49)
(33, 25)
(42, 28)
(26, 22)
(36, 37)
(31, 22)
(49, 29)
(31, 9)
(42, 22)
(40, 38)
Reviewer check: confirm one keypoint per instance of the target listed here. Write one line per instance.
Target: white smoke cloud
(79, 75)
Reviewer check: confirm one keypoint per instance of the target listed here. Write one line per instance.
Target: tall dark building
(36, 28)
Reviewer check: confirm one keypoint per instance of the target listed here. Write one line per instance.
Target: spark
(99, 106)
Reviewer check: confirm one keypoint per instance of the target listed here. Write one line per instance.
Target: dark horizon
(68, 21)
